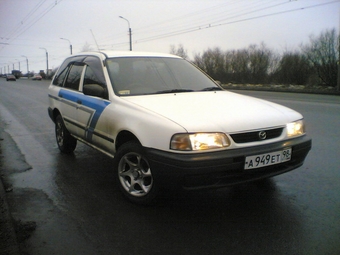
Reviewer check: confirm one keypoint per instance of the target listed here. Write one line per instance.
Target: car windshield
(156, 75)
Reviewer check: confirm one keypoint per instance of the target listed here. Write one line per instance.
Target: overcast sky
(28, 25)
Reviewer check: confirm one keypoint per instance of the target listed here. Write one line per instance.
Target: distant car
(10, 77)
(169, 125)
(37, 77)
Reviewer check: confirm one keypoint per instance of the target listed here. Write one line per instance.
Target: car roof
(113, 54)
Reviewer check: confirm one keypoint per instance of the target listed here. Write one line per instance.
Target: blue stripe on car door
(98, 105)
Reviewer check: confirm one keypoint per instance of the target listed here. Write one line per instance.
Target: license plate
(268, 159)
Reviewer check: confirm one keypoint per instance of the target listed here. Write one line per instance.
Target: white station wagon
(169, 125)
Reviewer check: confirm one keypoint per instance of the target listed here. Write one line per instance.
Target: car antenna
(94, 39)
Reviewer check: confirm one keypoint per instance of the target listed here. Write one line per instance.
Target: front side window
(94, 72)
(73, 78)
(154, 75)
(94, 83)
(90, 77)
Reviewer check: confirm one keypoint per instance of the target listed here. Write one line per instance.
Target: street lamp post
(69, 43)
(28, 74)
(18, 63)
(10, 65)
(130, 32)
(46, 60)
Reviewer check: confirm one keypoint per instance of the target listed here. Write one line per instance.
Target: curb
(8, 240)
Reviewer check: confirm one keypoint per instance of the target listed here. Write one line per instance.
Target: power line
(31, 23)
(207, 26)
(23, 26)
(249, 12)
(197, 17)
(210, 15)
(204, 18)
(35, 8)
(19, 24)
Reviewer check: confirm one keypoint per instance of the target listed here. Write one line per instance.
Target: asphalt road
(78, 209)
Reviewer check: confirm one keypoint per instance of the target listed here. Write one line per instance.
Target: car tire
(135, 178)
(66, 142)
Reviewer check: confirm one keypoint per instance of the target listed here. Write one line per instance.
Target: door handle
(79, 102)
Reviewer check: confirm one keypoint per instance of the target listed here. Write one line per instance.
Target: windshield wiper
(211, 89)
(173, 91)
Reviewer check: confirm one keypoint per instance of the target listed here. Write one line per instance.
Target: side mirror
(94, 90)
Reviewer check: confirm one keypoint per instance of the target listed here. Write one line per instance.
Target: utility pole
(19, 63)
(28, 74)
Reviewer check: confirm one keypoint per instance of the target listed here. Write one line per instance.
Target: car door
(69, 95)
(93, 104)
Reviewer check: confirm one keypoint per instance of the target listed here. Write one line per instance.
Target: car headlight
(199, 141)
(296, 128)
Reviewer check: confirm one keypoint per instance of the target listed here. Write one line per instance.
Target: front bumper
(223, 168)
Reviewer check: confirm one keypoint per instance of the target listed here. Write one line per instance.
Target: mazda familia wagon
(169, 125)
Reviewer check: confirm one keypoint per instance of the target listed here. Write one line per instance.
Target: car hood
(218, 111)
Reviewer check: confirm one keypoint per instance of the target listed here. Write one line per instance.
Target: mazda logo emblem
(262, 135)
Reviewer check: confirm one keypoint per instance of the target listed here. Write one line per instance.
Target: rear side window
(73, 78)
(59, 78)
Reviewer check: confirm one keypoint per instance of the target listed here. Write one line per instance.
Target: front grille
(254, 136)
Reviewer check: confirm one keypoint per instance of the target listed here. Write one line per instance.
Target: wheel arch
(55, 113)
(125, 136)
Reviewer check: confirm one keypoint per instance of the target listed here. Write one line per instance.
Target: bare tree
(251, 65)
(240, 65)
(180, 51)
(259, 62)
(86, 47)
(198, 61)
(323, 54)
(294, 68)
(216, 63)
